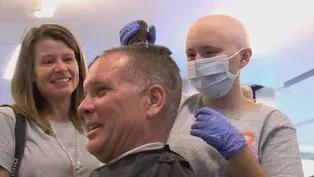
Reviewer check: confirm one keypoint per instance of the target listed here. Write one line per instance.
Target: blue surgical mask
(211, 76)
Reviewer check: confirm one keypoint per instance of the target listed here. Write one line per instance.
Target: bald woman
(221, 133)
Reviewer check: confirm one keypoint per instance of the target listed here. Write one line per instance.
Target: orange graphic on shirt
(249, 136)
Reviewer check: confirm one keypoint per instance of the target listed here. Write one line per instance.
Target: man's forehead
(106, 68)
(97, 79)
(115, 60)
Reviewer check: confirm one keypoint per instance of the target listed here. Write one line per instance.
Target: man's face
(205, 40)
(113, 110)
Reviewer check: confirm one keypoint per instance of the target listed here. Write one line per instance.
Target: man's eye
(101, 90)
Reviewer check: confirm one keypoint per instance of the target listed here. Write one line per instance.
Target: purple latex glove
(130, 30)
(214, 129)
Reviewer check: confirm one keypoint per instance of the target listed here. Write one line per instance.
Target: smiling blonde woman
(47, 89)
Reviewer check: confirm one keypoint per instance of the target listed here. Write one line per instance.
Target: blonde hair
(27, 99)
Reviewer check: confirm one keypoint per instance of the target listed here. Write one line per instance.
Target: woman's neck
(233, 101)
(58, 110)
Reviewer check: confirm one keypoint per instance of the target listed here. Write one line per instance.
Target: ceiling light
(48, 8)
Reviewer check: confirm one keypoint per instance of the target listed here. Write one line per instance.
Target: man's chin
(93, 147)
(99, 151)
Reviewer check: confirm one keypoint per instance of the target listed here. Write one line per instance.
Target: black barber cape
(152, 163)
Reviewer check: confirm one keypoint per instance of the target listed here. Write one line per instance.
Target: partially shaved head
(218, 35)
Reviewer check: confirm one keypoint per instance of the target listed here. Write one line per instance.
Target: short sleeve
(280, 156)
(7, 138)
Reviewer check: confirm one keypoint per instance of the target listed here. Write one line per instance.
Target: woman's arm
(3, 172)
(245, 164)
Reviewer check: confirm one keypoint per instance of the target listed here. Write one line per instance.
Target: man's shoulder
(170, 157)
(146, 164)
(172, 164)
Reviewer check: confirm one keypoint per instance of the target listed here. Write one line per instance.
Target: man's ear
(246, 56)
(157, 100)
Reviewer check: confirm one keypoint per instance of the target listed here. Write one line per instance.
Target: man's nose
(86, 107)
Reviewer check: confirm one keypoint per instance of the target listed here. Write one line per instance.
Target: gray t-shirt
(269, 133)
(43, 156)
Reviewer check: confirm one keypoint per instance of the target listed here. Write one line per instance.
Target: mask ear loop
(230, 75)
(236, 53)
(190, 87)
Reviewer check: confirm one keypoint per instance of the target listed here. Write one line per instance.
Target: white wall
(266, 96)
(5, 92)
(308, 167)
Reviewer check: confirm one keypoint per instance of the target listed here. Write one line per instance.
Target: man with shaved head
(220, 132)
(247, 92)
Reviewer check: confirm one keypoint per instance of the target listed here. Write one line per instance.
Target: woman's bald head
(216, 35)
(221, 28)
